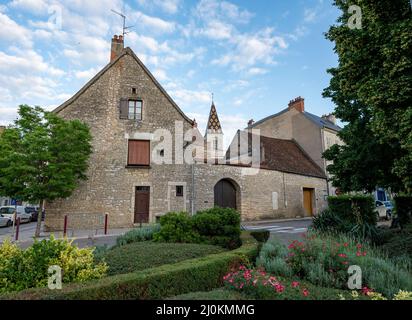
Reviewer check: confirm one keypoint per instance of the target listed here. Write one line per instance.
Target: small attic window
(134, 91)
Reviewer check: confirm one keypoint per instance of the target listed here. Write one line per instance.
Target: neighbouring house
(313, 133)
(149, 158)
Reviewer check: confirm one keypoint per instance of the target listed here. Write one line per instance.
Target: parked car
(5, 221)
(384, 209)
(35, 214)
(32, 211)
(8, 212)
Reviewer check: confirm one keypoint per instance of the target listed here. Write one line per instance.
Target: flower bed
(324, 261)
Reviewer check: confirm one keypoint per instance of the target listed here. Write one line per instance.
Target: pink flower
(342, 255)
(358, 254)
(364, 254)
(295, 284)
(366, 291)
(305, 292)
(279, 288)
(359, 246)
(346, 244)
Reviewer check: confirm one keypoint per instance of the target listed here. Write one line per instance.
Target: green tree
(372, 89)
(42, 157)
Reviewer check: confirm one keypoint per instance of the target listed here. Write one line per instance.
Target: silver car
(5, 222)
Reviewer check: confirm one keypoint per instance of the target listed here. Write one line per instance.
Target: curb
(275, 221)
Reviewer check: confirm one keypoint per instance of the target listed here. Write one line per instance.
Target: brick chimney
(298, 104)
(117, 47)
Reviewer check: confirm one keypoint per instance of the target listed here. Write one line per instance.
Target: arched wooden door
(225, 194)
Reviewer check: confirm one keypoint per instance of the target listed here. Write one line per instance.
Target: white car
(8, 212)
(382, 210)
(5, 221)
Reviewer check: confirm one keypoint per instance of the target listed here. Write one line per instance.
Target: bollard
(17, 228)
(65, 226)
(105, 223)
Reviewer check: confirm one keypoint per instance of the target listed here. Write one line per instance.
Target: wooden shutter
(124, 109)
(139, 153)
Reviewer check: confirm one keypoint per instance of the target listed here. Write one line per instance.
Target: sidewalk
(82, 238)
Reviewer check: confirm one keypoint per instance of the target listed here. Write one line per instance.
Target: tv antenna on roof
(124, 22)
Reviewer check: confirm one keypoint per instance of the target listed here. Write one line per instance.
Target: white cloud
(33, 6)
(208, 10)
(160, 75)
(310, 15)
(26, 62)
(13, 33)
(86, 74)
(257, 71)
(168, 6)
(251, 49)
(153, 24)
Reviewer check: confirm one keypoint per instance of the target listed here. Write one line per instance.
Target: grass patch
(144, 255)
(218, 294)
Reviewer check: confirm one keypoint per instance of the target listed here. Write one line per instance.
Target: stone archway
(226, 195)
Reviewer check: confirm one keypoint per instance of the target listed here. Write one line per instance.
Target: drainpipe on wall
(193, 189)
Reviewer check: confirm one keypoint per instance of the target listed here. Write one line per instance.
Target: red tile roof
(285, 156)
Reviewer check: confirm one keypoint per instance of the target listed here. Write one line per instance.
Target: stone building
(149, 159)
(314, 134)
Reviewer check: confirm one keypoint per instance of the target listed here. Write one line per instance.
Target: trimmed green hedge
(403, 209)
(203, 274)
(261, 236)
(357, 209)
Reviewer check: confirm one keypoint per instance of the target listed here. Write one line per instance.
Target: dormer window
(135, 110)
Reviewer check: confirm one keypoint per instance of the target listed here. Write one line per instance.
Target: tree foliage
(42, 156)
(372, 88)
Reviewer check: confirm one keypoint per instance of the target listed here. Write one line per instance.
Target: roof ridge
(124, 52)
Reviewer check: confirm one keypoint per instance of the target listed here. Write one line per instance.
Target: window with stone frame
(135, 109)
(131, 109)
(179, 191)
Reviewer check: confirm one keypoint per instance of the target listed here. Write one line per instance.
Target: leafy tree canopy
(42, 156)
(372, 89)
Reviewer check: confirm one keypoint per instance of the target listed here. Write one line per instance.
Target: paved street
(286, 231)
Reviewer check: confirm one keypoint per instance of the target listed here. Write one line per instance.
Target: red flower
(364, 254)
(342, 255)
(279, 288)
(346, 244)
(295, 284)
(359, 246)
(358, 254)
(305, 292)
(366, 291)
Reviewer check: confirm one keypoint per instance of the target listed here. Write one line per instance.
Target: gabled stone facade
(116, 188)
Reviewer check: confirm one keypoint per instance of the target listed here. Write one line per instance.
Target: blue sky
(254, 56)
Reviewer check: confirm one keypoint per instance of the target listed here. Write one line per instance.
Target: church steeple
(213, 125)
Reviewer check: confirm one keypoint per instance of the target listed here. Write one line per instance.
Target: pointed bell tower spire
(213, 125)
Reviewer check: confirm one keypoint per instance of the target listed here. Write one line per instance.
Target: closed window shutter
(124, 109)
(139, 153)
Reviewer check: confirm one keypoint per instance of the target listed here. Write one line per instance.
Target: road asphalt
(285, 230)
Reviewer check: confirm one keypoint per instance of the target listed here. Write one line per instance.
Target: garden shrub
(202, 274)
(356, 209)
(351, 215)
(272, 258)
(138, 235)
(403, 209)
(261, 236)
(177, 228)
(216, 226)
(22, 269)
